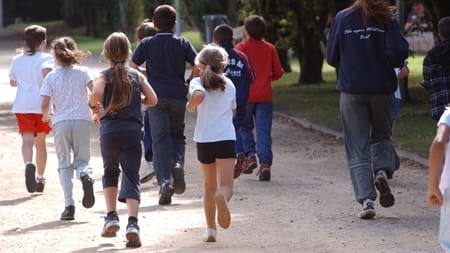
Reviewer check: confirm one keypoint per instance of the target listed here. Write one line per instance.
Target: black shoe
(30, 177)
(386, 197)
(111, 225)
(132, 235)
(69, 213)
(165, 194)
(88, 191)
(40, 184)
(179, 185)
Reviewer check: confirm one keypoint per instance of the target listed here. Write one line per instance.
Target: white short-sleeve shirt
(445, 176)
(27, 71)
(67, 87)
(215, 114)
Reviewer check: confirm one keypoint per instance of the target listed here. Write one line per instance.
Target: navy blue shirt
(239, 71)
(365, 53)
(165, 56)
(128, 118)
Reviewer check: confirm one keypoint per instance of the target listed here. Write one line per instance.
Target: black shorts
(208, 152)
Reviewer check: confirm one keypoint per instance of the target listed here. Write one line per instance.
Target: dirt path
(307, 207)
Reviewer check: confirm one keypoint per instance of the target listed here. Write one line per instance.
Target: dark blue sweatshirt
(365, 53)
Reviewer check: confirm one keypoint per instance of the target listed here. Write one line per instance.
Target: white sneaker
(210, 235)
(368, 210)
(148, 174)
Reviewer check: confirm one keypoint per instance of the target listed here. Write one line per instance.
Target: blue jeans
(237, 122)
(167, 128)
(259, 115)
(367, 122)
(148, 143)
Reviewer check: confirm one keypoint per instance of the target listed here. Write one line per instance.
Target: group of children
(55, 93)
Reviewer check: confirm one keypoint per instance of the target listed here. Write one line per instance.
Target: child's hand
(96, 118)
(46, 118)
(434, 196)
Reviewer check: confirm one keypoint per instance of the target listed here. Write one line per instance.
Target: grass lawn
(414, 129)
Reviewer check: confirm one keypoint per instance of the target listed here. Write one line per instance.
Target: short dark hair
(255, 26)
(164, 17)
(33, 36)
(145, 29)
(223, 33)
(444, 27)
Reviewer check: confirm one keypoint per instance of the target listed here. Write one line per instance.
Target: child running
(119, 89)
(214, 97)
(66, 89)
(26, 72)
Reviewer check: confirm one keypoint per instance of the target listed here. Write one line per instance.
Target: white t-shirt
(67, 87)
(214, 114)
(27, 71)
(445, 176)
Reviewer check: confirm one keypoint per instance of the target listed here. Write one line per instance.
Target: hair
(33, 36)
(66, 51)
(255, 26)
(164, 17)
(223, 33)
(145, 29)
(214, 59)
(444, 27)
(380, 10)
(116, 49)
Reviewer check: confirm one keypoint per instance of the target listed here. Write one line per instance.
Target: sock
(39, 176)
(132, 219)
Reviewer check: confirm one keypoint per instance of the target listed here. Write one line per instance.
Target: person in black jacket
(436, 71)
(365, 45)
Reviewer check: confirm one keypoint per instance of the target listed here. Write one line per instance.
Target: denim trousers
(259, 115)
(122, 152)
(167, 129)
(367, 122)
(72, 136)
(147, 141)
(444, 224)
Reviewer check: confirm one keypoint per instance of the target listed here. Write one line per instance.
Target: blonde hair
(214, 59)
(66, 51)
(116, 49)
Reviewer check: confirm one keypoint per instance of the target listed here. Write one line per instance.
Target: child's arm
(195, 99)
(150, 97)
(45, 71)
(95, 97)
(45, 105)
(436, 159)
(13, 83)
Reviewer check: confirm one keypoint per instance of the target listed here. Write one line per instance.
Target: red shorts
(32, 122)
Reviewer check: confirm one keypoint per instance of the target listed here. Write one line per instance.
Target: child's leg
(110, 198)
(210, 187)
(225, 176)
(41, 153)
(27, 146)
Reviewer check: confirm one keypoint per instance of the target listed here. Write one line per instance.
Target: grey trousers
(367, 122)
(72, 136)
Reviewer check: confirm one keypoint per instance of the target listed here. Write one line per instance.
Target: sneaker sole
(223, 213)
(133, 240)
(250, 168)
(66, 218)
(88, 192)
(40, 187)
(265, 176)
(386, 197)
(147, 178)
(30, 178)
(110, 231)
(367, 215)
(210, 239)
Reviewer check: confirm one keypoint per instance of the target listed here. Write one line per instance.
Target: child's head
(444, 28)
(255, 26)
(66, 51)
(164, 17)
(116, 49)
(212, 60)
(145, 29)
(223, 34)
(35, 36)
